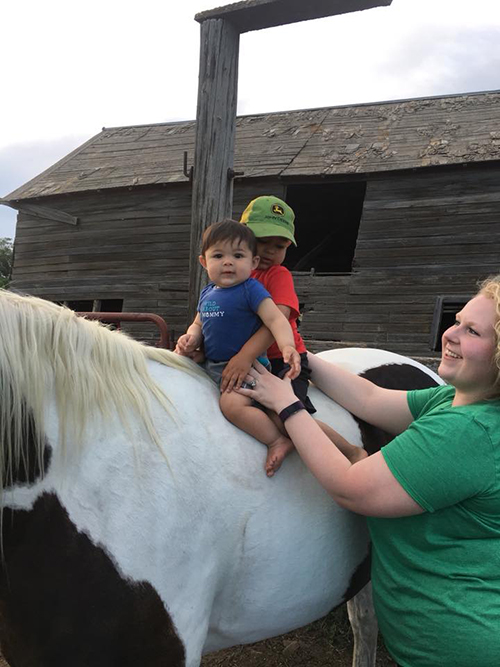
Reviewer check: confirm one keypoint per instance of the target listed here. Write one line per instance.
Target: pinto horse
(138, 526)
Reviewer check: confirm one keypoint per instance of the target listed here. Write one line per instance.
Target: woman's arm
(367, 487)
(386, 408)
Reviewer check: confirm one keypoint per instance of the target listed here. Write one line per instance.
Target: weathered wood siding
(128, 245)
(131, 245)
(421, 235)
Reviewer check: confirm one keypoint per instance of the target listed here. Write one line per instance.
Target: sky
(70, 69)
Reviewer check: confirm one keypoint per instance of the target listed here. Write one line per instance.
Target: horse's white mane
(46, 347)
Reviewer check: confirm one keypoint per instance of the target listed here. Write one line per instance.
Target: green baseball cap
(270, 216)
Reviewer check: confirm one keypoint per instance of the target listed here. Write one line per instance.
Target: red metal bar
(134, 317)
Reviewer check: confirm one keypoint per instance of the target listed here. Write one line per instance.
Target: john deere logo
(278, 210)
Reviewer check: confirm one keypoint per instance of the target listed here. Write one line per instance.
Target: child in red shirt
(272, 222)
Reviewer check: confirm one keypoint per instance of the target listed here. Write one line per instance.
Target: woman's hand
(269, 390)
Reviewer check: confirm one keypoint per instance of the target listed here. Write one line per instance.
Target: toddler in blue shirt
(232, 307)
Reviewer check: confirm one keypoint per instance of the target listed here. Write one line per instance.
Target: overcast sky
(76, 67)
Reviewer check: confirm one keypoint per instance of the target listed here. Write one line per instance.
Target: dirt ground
(325, 643)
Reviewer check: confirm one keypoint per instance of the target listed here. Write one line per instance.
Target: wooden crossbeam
(217, 97)
(42, 212)
(257, 14)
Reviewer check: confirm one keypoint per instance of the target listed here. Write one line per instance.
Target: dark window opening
(81, 305)
(445, 311)
(94, 305)
(111, 306)
(327, 218)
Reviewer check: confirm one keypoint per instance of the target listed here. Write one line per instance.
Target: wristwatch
(291, 410)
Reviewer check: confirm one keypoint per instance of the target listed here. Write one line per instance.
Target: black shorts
(301, 383)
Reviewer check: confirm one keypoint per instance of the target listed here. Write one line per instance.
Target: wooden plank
(477, 262)
(74, 289)
(155, 267)
(397, 258)
(430, 246)
(257, 14)
(78, 260)
(103, 252)
(141, 303)
(215, 132)
(43, 212)
(441, 200)
(422, 338)
(89, 240)
(481, 226)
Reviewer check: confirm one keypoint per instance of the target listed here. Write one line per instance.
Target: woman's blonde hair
(491, 288)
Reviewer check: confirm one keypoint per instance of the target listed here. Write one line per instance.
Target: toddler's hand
(235, 372)
(292, 358)
(186, 345)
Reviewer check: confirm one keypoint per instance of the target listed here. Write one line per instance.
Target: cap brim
(262, 229)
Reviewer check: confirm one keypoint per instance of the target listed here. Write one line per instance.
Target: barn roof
(366, 138)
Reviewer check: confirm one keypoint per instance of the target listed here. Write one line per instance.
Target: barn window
(445, 309)
(327, 218)
(95, 305)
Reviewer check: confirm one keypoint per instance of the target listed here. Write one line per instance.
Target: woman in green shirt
(432, 494)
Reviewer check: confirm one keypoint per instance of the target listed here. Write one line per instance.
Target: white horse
(138, 526)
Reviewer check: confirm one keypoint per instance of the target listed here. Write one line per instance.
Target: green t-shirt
(436, 575)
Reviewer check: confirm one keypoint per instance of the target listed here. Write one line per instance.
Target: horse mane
(88, 367)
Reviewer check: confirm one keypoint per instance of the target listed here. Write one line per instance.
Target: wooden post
(217, 96)
(214, 145)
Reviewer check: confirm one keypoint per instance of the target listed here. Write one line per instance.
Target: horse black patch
(30, 466)
(63, 602)
(390, 376)
(360, 578)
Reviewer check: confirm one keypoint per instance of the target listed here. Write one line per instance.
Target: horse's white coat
(235, 556)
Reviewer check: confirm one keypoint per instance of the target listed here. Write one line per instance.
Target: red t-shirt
(279, 283)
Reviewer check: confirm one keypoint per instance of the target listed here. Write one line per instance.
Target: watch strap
(291, 410)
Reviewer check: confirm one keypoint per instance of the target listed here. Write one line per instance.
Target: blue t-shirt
(229, 317)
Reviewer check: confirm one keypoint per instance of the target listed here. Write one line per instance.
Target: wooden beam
(257, 14)
(42, 212)
(214, 144)
(217, 97)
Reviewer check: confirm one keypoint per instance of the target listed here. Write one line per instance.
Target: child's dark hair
(228, 230)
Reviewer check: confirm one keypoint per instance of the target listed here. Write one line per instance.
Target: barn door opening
(327, 218)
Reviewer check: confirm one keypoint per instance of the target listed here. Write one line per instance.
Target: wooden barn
(397, 210)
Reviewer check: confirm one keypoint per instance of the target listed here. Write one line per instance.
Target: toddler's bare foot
(276, 454)
(357, 454)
